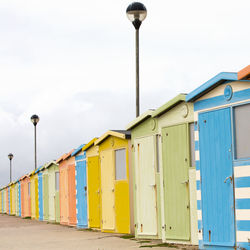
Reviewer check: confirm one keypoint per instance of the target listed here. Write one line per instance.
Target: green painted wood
(176, 187)
(46, 197)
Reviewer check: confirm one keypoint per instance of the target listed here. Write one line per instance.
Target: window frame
(126, 177)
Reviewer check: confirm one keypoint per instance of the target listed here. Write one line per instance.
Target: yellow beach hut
(116, 191)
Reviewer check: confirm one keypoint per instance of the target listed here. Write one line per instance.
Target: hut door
(145, 186)
(72, 194)
(81, 194)
(176, 182)
(217, 178)
(46, 196)
(40, 191)
(107, 189)
(94, 191)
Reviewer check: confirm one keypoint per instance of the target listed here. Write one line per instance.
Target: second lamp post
(10, 156)
(136, 13)
(35, 119)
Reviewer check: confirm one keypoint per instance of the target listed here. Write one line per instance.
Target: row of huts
(180, 173)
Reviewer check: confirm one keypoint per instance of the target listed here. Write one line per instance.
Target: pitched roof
(123, 134)
(169, 105)
(89, 144)
(222, 77)
(140, 119)
(76, 151)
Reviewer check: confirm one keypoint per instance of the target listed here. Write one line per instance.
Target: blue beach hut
(222, 152)
(81, 187)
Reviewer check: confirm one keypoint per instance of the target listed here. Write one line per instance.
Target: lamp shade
(34, 119)
(136, 11)
(10, 156)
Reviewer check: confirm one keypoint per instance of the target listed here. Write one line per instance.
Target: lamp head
(136, 13)
(34, 119)
(10, 156)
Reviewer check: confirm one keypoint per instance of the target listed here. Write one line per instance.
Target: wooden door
(218, 219)
(72, 195)
(107, 189)
(145, 186)
(176, 182)
(94, 191)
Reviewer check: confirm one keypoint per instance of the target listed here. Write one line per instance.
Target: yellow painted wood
(13, 199)
(115, 200)
(1, 208)
(93, 176)
(107, 190)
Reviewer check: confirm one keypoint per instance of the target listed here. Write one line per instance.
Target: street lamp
(136, 13)
(35, 119)
(10, 156)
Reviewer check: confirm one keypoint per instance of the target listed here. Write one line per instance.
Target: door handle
(185, 182)
(229, 177)
(152, 185)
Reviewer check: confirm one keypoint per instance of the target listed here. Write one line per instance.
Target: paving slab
(25, 234)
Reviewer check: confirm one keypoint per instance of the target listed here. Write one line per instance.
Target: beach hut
(222, 153)
(93, 184)
(116, 209)
(4, 200)
(25, 197)
(7, 199)
(1, 205)
(146, 174)
(40, 194)
(46, 194)
(81, 187)
(52, 171)
(176, 164)
(33, 194)
(16, 199)
(19, 199)
(12, 199)
(67, 189)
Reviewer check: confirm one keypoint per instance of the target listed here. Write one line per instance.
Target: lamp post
(35, 119)
(136, 13)
(10, 156)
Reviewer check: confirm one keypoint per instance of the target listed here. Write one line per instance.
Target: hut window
(57, 181)
(192, 144)
(120, 164)
(29, 188)
(242, 131)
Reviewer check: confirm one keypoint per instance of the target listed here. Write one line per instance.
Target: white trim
(200, 235)
(196, 135)
(198, 193)
(242, 193)
(242, 214)
(243, 236)
(242, 171)
(199, 215)
(198, 175)
(197, 155)
(195, 116)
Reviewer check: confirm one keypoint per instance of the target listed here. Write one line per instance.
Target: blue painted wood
(220, 100)
(20, 200)
(213, 82)
(240, 163)
(243, 245)
(216, 166)
(81, 195)
(198, 204)
(242, 203)
(198, 185)
(242, 182)
(40, 194)
(243, 225)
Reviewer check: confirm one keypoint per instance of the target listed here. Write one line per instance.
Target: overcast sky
(73, 64)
